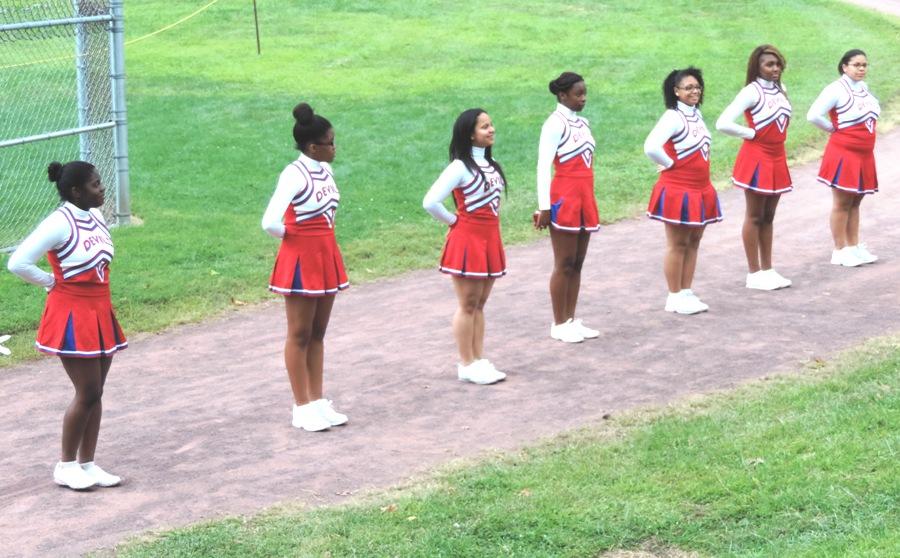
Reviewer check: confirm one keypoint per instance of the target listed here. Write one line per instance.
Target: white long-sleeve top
(80, 234)
(475, 192)
(669, 125)
(553, 133)
(767, 103)
(840, 95)
(307, 185)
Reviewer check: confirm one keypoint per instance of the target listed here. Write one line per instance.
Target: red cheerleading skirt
(309, 263)
(676, 203)
(762, 168)
(849, 161)
(474, 250)
(573, 207)
(79, 321)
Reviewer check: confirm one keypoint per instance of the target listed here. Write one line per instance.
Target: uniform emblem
(587, 155)
(781, 122)
(101, 269)
(704, 150)
(870, 125)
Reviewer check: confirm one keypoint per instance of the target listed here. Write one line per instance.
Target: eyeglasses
(691, 88)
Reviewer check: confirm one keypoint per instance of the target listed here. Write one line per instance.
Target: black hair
(74, 174)
(845, 59)
(461, 143)
(564, 82)
(309, 126)
(674, 78)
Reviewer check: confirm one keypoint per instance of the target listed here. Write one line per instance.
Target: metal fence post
(117, 78)
(81, 78)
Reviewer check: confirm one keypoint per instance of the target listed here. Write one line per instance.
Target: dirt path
(198, 419)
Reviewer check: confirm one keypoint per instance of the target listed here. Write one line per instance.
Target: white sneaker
(72, 475)
(488, 365)
(585, 331)
(308, 418)
(328, 413)
(477, 373)
(846, 257)
(683, 304)
(779, 280)
(565, 332)
(863, 254)
(761, 281)
(101, 477)
(695, 300)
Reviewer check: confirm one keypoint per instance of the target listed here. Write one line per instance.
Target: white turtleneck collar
(855, 85)
(309, 161)
(765, 83)
(687, 109)
(77, 211)
(477, 152)
(566, 111)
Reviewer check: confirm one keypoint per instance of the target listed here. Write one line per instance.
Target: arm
(669, 123)
(287, 188)
(51, 233)
(826, 101)
(433, 203)
(551, 134)
(746, 98)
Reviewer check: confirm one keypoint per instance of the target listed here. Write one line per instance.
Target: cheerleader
(78, 324)
(309, 269)
(566, 203)
(473, 253)
(761, 165)
(683, 198)
(848, 111)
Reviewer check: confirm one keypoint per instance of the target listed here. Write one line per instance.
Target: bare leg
(565, 255)
(677, 240)
(584, 238)
(767, 230)
(750, 232)
(315, 352)
(468, 295)
(478, 333)
(301, 311)
(690, 256)
(92, 430)
(87, 377)
(840, 217)
(853, 220)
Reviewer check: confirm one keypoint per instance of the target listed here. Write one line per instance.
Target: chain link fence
(61, 99)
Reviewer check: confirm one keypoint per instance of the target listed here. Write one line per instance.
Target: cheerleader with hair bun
(683, 198)
(309, 269)
(473, 253)
(849, 112)
(566, 204)
(761, 166)
(78, 324)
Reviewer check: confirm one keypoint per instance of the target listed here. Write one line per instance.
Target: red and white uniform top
(476, 194)
(680, 142)
(567, 144)
(305, 199)
(846, 103)
(766, 110)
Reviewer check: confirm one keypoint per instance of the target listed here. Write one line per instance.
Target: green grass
(802, 466)
(209, 120)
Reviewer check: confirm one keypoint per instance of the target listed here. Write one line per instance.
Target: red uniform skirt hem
(760, 171)
(848, 170)
(79, 322)
(308, 265)
(573, 207)
(474, 251)
(684, 206)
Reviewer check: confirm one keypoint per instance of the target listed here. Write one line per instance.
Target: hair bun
(303, 113)
(554, 87)
(54, 171)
